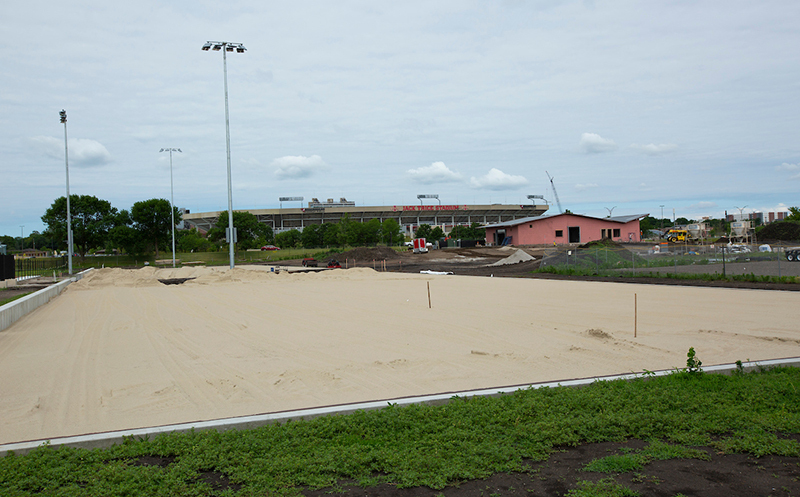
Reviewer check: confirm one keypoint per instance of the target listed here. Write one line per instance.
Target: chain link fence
(606, 258)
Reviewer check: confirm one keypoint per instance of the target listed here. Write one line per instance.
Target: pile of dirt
(515, 258)
(605, 242)
(368, 254)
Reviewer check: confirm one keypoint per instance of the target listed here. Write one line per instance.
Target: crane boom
(555, 193)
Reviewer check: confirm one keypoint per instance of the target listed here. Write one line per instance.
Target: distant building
(564, 229)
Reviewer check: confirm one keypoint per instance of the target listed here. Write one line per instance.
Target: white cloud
(298, 166)
(585, 186)
(82, 152)
(437, 172)
(496, 179)
(653, 149)
(592, 143)
(787, 167)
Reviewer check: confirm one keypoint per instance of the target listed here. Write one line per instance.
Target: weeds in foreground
(606, 487)
(590, 271)
(435, 446)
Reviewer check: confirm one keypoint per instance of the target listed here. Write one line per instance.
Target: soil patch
(722, 475)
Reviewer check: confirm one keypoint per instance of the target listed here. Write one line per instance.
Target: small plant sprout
(692, 363)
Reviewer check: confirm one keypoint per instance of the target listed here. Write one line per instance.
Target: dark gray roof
(615, 219)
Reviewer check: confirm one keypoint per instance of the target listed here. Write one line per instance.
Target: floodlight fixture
(207, 46)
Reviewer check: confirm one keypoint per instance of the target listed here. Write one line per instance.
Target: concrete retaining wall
(107, 439)
(15, 310)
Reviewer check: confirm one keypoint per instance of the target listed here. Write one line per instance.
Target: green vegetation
(5, 300)
(633, 461)
(584, 271)
(435, 446)
(606, 487)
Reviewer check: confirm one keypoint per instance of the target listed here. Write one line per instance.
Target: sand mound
(517, 257)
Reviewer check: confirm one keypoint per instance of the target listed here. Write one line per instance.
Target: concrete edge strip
(16, 310)
(107, 439)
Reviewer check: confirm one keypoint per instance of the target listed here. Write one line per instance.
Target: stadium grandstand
(408, 216)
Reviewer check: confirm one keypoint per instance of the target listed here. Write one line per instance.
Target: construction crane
(560, 210)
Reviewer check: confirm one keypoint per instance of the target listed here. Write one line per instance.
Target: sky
(628, 105)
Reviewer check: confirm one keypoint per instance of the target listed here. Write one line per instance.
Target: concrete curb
(107, 439)
(13, 311)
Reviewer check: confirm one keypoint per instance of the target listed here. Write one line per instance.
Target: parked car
(270, 247)
(310, 262)
(333, 263)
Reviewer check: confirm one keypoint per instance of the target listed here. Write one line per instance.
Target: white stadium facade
(408, 216)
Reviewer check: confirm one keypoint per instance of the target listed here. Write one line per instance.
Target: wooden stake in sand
(429, 295)
(635, 315)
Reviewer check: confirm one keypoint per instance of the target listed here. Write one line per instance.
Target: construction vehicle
(793, 254)
(676, 236)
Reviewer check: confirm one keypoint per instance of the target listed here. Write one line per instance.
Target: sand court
(119, 350)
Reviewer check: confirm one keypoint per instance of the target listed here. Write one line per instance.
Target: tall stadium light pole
(171, 198)
(227, 46)
(63, 115)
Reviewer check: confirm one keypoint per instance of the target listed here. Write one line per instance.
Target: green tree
(390, 232)
(192, 241)
(250, 233)
(288, 239)
(794, 214)
(91, 220)
(332, 235)
(423, 231)
(152, 221)
(311, 237)
(473, 232)
(436, 233)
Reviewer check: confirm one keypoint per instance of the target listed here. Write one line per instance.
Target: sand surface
(120, 350)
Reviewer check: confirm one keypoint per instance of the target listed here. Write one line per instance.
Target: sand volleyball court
(120, 350)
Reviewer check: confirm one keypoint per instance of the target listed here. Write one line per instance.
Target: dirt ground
(476, 262)
(724, 475)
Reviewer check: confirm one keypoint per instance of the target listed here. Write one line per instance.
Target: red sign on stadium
(432, 208)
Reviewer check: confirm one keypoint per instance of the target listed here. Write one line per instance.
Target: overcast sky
(694, 105)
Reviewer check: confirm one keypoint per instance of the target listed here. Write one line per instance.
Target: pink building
(563, 229)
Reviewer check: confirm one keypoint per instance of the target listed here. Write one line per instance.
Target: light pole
(21, 237)
(171, 199)
(610, 210)
(63, 115)
(662, 220)
(227, 46)
(741, 213)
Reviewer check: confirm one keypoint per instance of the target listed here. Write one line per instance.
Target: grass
(436, 446)
(591, 271)
(4, 300)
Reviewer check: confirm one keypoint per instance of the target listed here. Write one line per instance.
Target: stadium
(409, 217)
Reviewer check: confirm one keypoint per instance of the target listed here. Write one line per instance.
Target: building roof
(615, 219)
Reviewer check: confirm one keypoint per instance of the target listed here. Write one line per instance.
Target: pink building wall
(543, 231)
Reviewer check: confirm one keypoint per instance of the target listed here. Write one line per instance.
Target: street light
(63, 115)
(171, 199)
(662, 220)
(610, 210)
(229, 47)
(741, 214)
